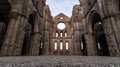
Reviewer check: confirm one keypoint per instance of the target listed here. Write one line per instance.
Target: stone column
(46, 42)
(111, 28)
(10, 37)
(64, 47)
(110, 36)
(77, 43)
(90, 44)
(115, 20)
(20, 37)
(35, 43)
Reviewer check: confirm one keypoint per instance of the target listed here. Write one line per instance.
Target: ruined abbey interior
(27, 28)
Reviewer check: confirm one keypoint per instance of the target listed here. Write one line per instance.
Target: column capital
(14, 14)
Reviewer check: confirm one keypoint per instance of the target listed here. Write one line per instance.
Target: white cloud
(64, 6)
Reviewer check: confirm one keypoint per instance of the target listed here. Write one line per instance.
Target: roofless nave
(27, 28)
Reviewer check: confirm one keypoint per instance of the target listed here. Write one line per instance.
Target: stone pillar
(115, 20)
(35, 43)
(77, 43)
(10, 37)
(111, 26)
(46, 42)
(110, 36)
(20, 37)
(90, 44)
(72, 45)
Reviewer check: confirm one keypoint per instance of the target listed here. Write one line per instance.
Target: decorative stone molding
(14, 14)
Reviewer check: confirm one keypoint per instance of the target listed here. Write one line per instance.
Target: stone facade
(61, 39)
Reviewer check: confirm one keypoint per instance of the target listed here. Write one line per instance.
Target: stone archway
(29, 29)
(98, 34)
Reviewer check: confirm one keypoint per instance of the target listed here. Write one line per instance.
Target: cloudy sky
(64, 6)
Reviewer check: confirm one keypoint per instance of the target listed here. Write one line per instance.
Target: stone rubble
(59, 61)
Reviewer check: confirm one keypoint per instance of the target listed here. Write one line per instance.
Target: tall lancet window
(65, 34)
(82, 46)
(55, 45)
(61, 45)
(67, 45)
(56, 34)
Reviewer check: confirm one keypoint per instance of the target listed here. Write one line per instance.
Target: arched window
(98, 44)
(82, 45)
(55, 46)
(61, 45)
(56, 34)
(61, 34)
(67, 45)
(41, 45)
(65, 34)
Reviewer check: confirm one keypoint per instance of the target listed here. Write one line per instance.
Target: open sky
(64, 6)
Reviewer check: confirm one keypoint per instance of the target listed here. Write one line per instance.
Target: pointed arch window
(67, 45)
(98, 45)
(41, 45)
(56, 34)
(61, 45)
(55, 45)
(82, 46)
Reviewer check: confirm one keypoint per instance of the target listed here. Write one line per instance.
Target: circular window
(61, 26)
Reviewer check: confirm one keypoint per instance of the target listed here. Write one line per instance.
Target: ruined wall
(23, 33)
(61, 41)
(105, 13)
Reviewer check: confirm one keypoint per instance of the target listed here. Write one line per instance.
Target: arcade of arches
(27, 28)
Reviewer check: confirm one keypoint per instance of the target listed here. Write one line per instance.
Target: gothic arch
(33, 20)
(55, 45)
(61, 45)
(28, 33)
(90, 19)
(97, 31)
